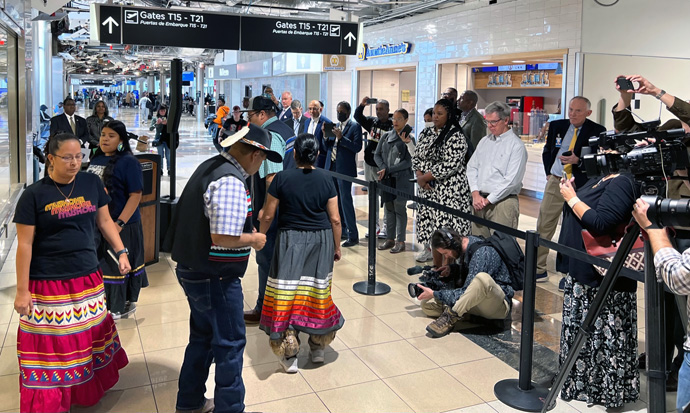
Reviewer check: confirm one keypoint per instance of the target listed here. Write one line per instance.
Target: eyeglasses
(70, 158)
(494, 122)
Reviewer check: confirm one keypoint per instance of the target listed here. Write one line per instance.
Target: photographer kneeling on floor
(483, 287)
(674, 268)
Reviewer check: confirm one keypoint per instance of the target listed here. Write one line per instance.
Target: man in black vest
(211, 237)
(262, 112)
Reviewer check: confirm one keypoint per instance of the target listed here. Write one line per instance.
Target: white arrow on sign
(110, 21)
(350, 37)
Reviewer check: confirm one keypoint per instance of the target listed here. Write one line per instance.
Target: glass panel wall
(5, 174)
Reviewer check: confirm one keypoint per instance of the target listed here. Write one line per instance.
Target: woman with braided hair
(121, 174)
(440, 162)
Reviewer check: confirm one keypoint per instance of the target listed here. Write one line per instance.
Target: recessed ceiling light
(518, 61)
(487, 63)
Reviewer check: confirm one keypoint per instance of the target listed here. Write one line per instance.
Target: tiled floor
(381, 361)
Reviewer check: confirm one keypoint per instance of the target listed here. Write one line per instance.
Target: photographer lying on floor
(483, 286)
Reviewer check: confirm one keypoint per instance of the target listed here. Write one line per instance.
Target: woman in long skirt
(298, 293)
(68, 348)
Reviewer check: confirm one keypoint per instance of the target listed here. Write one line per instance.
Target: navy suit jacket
(61, 123)
(302, 124)
(286, 116)
(560, 127)
(318, 134)
(349, 145)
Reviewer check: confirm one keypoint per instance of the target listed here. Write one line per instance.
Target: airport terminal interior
(532, 55)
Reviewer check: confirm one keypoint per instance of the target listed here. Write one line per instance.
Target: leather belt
(485, 195)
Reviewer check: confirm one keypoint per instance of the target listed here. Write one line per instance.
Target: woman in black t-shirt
(122, 177)
(308, 243)
(66, 337)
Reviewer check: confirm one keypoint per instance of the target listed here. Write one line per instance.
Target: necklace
(74, 182)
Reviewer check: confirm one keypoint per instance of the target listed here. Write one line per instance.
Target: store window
(5, 164)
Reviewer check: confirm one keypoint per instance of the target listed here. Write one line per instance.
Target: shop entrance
(397, 85)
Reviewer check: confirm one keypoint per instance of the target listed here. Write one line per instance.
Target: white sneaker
(289, 365)
(318, 355)
(381, 234)
(424, 256)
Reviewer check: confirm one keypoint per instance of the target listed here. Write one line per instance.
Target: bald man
(313, 126)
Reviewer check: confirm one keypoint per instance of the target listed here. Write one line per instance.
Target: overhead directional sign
(265, 34)
(172, 27)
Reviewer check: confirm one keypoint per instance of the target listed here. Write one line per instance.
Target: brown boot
(443, 324)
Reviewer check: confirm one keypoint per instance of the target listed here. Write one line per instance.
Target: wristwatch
(121, 223)
(662, 93)
(122, 251)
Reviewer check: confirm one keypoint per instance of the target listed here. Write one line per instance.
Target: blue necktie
(296, 126)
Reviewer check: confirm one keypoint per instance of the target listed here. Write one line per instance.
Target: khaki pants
(483, 297)
(549, 213)
(505, 212)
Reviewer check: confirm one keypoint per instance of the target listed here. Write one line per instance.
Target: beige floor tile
(162, 336)
(7, 294)
(161, 266)
(337, 293)
(3, 333)
(351, 309)
(8, 361)
(493, 370)
(479, 408)
(345, 284)
(308, 403)
(10, 392)
(340, 369)
(126, 323)
(428, 391)
(556, 316)
(257, 351)
(347, 270)
(451, 349)
(158, 278)
(394, 359)
(250, 282)
(336, 345)
(161, 313)
(161, 294)
(268, 382)
(250, 297)
(561, 407)
(130, 341)
(165, 394)
(408, 324)
(136, 400)
(135, 374)
(386, 304)
(11, 335)
(164, 365)
(372, 397)
(6, 311)
(366, 331)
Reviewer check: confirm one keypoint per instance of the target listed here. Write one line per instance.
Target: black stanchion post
(655, 335)
(522, 393)
(371, 286)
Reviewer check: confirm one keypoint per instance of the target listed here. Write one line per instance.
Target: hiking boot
(443, 324)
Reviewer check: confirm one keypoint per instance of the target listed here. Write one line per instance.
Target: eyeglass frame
(495, 122)
(67, 159)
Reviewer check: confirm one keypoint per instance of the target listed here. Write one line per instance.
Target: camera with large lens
(651, 165)
(665, 212)
(432, 279)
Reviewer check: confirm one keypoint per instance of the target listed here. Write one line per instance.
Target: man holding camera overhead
(483, 283)
(561, 154)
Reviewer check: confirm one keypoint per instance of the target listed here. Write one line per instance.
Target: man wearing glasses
(495, 171)
(70, 122)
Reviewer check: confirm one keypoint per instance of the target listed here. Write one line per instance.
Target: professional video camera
(432, 279)
(652, 165)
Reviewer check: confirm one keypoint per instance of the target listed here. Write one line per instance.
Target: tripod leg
(592, 313)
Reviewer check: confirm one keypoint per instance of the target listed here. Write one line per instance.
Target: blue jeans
(263, 261)
(216, 331)
(683, 397)
(348, 208)
(164, 152)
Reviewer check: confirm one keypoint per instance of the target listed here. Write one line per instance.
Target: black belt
(486, 195)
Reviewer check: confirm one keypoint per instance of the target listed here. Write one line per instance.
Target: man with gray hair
(471, 121)
(495, 171)
(285, 102)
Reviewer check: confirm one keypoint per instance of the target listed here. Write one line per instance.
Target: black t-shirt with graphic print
(63, 246)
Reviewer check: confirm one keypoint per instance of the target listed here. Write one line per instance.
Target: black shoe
(350, 243)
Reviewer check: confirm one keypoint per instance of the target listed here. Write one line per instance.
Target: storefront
(397, 85)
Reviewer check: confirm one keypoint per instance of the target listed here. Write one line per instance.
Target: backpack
(511, 255)
(149, 104)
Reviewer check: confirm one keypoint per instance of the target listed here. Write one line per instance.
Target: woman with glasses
(98, 118)
(122, 177)
(67, 344)
(440, 165)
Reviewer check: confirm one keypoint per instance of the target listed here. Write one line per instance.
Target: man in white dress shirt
(495, 171)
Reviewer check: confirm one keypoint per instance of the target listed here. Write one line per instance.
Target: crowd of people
(251, 196)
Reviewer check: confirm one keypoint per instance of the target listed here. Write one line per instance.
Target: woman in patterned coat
(440, 165)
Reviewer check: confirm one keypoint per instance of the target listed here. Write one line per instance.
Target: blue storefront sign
(384, 50)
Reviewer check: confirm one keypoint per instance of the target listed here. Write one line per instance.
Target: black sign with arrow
(110, 24)
(264, 34)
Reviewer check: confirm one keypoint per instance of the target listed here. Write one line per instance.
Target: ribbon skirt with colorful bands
(298, 292)
(69, 351)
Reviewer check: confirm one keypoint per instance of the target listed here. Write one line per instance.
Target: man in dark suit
(561, 156)
(286, 101)
(69, 122)
(342, 158)
(471, 121)
(296, 123)
(314, 126)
